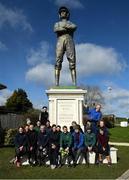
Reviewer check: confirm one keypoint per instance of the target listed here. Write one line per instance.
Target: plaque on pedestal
(65, 105)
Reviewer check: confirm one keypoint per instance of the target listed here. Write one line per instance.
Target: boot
(57, 76)
(73, 75)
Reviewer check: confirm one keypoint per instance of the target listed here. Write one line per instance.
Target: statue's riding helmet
(64, 9)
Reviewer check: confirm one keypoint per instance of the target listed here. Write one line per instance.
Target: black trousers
(32, 155)
(69, 156)
(19, 153)
(53, 155)
(41, 155)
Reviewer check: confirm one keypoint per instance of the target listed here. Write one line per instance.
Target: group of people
(58, 145)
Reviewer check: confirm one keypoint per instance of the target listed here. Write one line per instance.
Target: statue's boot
(73, 75)
(57, 76)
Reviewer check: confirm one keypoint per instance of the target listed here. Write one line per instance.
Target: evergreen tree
(19, 102)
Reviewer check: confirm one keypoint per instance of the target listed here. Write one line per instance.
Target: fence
(11, 120)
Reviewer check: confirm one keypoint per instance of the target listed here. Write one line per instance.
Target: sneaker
(109, 164)
(53, 166)
(25, 163)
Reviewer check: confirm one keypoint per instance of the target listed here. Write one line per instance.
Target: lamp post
(109, 96)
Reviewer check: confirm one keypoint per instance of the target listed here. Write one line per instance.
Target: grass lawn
(119, 134)
(81, 172)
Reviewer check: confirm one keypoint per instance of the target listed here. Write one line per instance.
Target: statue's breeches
(65, 44)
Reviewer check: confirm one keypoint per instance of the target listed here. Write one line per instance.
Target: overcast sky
(27, 48)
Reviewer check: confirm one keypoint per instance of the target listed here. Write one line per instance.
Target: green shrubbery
(9, 137)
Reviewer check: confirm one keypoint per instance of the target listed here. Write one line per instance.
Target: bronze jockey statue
(64, 30)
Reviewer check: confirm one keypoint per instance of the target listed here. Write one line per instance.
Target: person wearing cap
(65, 30)
(78, 144)
(43, 116)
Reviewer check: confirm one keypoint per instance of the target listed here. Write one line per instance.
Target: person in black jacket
(32, 144)
(42, 145)
(20, 145)
(43, 116)
(53, 147)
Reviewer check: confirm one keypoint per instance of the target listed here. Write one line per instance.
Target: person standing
(32, 143)
(42, 143)
(65, 146)
(103, 146)
(94, 115)
(43, 116)
(53, 147)
(37, 127)
(20, 142)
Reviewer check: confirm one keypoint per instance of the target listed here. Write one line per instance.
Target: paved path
(119, 143)
(124, 176)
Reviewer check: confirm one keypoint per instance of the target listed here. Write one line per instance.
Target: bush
(9, 137)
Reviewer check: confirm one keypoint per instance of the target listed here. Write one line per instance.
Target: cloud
(4, 95)
(117, 101)
(73, 4)
(39, 55)
(91, 60)
(14, 18)
(2, 46)
(94, 59)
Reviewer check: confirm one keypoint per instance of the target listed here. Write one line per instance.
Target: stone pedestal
(65, 106)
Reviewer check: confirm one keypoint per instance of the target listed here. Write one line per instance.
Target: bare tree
(93, 95)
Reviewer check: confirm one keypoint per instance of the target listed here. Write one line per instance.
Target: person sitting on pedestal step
(90, 144)
(78, 144)
(94, 115)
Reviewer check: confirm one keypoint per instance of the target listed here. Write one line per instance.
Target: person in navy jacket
(42, 143)
(20, 142)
